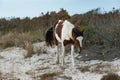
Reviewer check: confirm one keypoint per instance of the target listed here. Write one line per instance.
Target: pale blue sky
(32, 8)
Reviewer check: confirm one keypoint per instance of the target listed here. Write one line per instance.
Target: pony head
(78, 39)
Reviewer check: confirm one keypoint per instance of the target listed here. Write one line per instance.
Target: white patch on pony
(72, 55)
(57, 37)
(67, 30)
(59, 21)
(80, 38)
(57, 24)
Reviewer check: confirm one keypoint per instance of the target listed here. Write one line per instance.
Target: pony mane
(76, 32)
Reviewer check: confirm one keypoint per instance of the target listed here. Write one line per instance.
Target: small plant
(0, 73)
(84, 68)
(49, 76)
(7, 40)
(111, 76)
(19, 40)
(29, 47)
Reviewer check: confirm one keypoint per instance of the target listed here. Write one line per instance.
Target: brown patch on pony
(58, 26)
(66, 42)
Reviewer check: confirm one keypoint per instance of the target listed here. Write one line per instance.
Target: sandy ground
(41, 66)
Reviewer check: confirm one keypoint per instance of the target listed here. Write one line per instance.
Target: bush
(7, 40)
(111, 76)
(90, 37)
(107, 27)
(29, 47)
(23, 40)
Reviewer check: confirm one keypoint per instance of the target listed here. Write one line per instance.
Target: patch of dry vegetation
(7, 40)
(111, 76)
(84, 68)
(99, 68)
(23, 40)
(8, 76)
(49, 75)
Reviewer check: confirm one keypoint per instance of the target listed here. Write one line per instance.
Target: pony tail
(49, 37)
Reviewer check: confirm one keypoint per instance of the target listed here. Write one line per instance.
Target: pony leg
(63, 54)
(57, 55)
(72, 55)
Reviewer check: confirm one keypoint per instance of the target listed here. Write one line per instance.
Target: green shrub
(90, 36)
(36, 36)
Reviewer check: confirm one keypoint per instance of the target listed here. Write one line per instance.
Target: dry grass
(29, 47)
(111, 76)
(99, 68)
(1, 57)
(0, 75)
(84, 68)
(49, 76)
(104, 68)
(24, 40)
(43, 73)
(8, 76)
(7, 40)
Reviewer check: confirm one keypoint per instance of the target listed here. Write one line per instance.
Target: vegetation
(111, 76)
(99, 28)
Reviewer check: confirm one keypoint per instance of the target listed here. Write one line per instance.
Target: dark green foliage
(107, 27)
(111, 76)
(90, 36)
